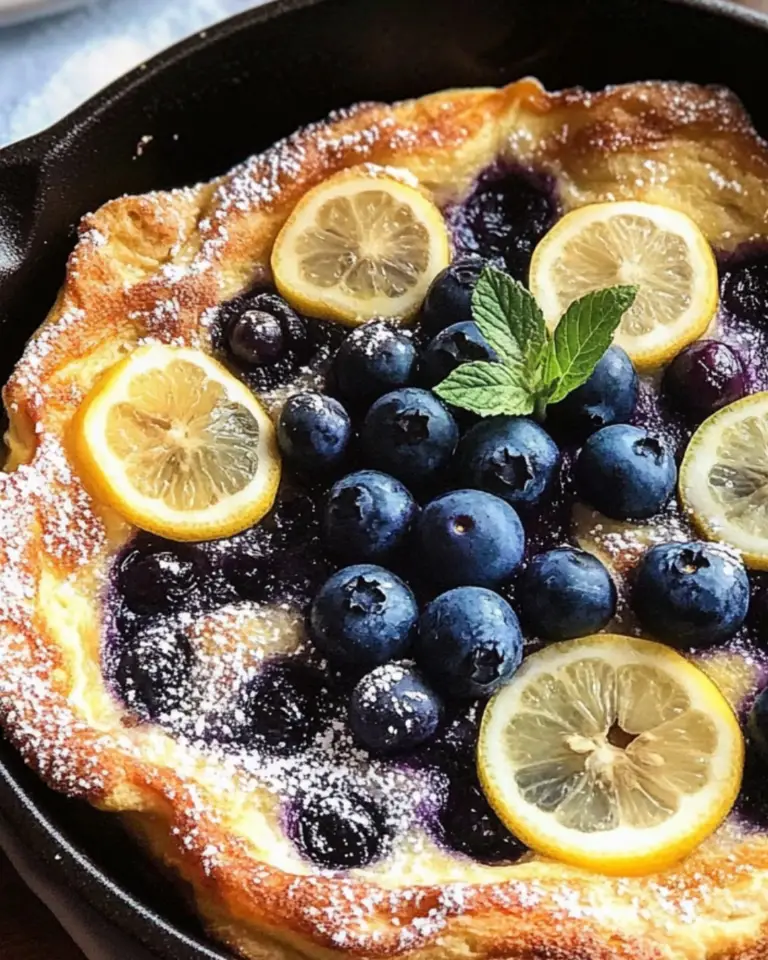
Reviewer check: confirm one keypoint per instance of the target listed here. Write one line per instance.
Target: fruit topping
(511, 457)
(691, 594)
(704, 377)
(607, 397)
(339, 830)
(364, 243)
(610, 753)
(153, 674)
(410, 434)
(469, 642)
(757, 725)
(364, 615)
(314, 431)
(392, 710)
(457, 344)
(178, 446)
(373, 360)
(565, 593)
(625, 472)
(282, 707)
(659, 250)
(159, 580)
(468, 824)
(469, 537)
(745, 291)
(369, 517)
(724, 478)
(449, 298)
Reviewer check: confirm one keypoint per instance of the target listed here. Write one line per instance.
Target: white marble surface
(50, 65)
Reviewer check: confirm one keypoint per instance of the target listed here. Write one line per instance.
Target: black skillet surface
(208, 103)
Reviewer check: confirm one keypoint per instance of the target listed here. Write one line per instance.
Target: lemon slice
(657, 249)
(364, 243)
(611, 753)
(724, 478)
(177, 445)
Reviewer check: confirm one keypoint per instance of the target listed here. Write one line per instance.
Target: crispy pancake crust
(155, 266)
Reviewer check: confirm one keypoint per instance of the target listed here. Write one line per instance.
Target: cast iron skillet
(208, 103)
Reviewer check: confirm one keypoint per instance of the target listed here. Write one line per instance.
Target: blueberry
(470, 537)
(511, 457)
(691, 594)
(449, 298)
(625, 473)
(247, 568)
(745, 290)
(373, 360)
(565, 593)
(469, 642)
(409, 434)
(314, 431)
(457, 344)
(757, 725)
(368, 517)
(281, 706)
(340, 830)
(153, 674)
(704, 377)
(392, 710)
(364, 615)
(160, 580)
(468, 824)
(266, 339)
(607, 396)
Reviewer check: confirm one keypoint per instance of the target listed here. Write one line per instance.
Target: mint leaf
(487, 389)
(582, 336)
(510, 320)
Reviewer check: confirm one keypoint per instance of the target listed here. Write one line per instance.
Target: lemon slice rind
(622, 849)
(105, 473)
(373, 235)
(667, 257)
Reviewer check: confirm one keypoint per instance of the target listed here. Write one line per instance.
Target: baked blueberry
(469, 642)
(469, 825)
(457, 344)
(152, 674)
(373, 360)
(339, 829)
(565, 593)
(745, 290)
(247, 567)
(607, 396)
(410, 434)
(511, 457)
(625, 473)
(363, 615)
(704, 377)
(267, 339)
(691, 594)
(469, 537)
(281, 706)
(449, 298)
(757, 725)
(368, 517)
(314, 431)
(392, 709)
(159, 580)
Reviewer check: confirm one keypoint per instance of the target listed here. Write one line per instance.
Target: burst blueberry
(153, 674)
(159, 579)
(368, 517)
(511, 457)
(691, 594)
(449, 298)
(625, 472)
(608, 396)
(409, 434)
(393, 710)
(460, 343)
(565, 593)
(704, 377)
(469, 642)
(282, 706)
(266, 339)
(468, 537)
(469, 825)
(373, 360)
(364, 615)
(339, 829)
(745, 290)
(314, 432)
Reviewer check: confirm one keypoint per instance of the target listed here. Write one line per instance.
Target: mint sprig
(535, 368)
